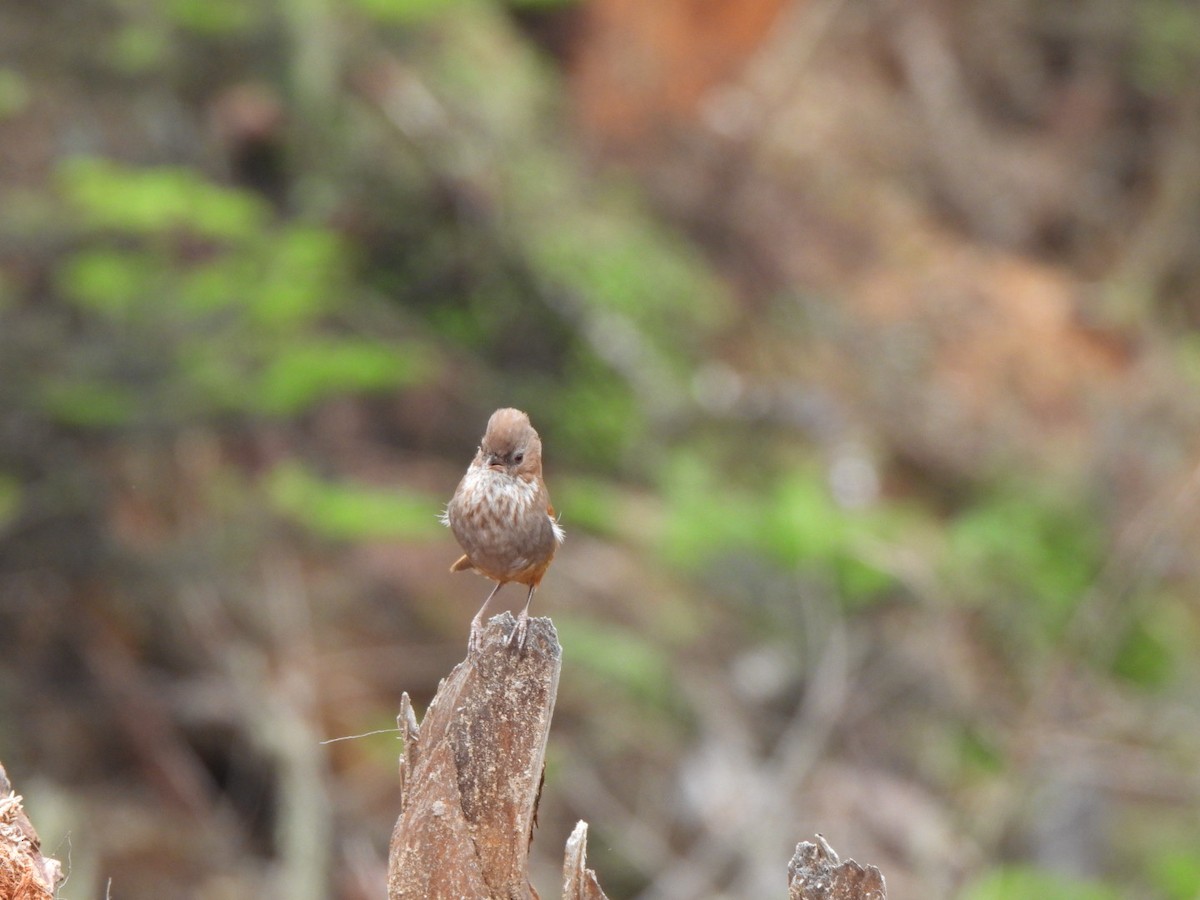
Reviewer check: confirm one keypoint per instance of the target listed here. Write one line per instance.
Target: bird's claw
(517, 636)
(475, 640)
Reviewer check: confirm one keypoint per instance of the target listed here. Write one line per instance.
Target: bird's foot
(520, 632)
(475, 639)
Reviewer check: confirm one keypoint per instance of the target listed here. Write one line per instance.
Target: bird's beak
(493, 462)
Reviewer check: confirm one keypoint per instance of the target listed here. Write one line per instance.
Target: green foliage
(214, 18)
(704, 518)
(1176, 873)
(88, 404)
(139, 48)
(617, 259)
(1163, 634)
(1166, 44)
(1028, 883)
(200, 303)
(407, 12)
(110, 282)
(1143, 658)
(793, 522)
(976, 754)
(592, 502)
(1187, 348)
(300, 374)
(594, 414)
(341, 511)
(1031, 549)
(301, 279)
(629, 662)
(403, 12)
(808, 528)
(154, 202)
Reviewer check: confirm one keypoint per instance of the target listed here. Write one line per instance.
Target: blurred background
(864, 341)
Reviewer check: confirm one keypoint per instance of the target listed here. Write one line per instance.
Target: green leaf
(1032, 547)
(217, 284)
(792, 523)
(702, 519)
(89, 404)
(1163, 635)
(153, 201)
(1143, 658)
(303, 278)
(301, 374)
(112, 283)
(346, 511)
(1177, 874)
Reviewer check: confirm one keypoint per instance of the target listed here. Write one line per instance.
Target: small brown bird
(501, 514)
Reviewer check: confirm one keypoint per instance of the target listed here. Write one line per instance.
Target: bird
(501, 515)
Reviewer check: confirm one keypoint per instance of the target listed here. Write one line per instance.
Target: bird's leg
(477, 622)
(518, 634)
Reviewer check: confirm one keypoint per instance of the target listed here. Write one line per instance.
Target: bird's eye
(518, 457)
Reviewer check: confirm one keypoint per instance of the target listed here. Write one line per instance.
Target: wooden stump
(471, 772)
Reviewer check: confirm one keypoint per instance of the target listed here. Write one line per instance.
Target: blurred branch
(998, 183)
(152, 733)
(287, 724)
(740, 793)
(1163, 239)
(275, 705)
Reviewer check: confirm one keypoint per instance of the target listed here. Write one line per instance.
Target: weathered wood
(470, 772)
(24, 873)
(579, 882)
(815, 873)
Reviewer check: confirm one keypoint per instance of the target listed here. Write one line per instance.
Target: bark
(816, 873)
(579, 882)
(471, 772)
